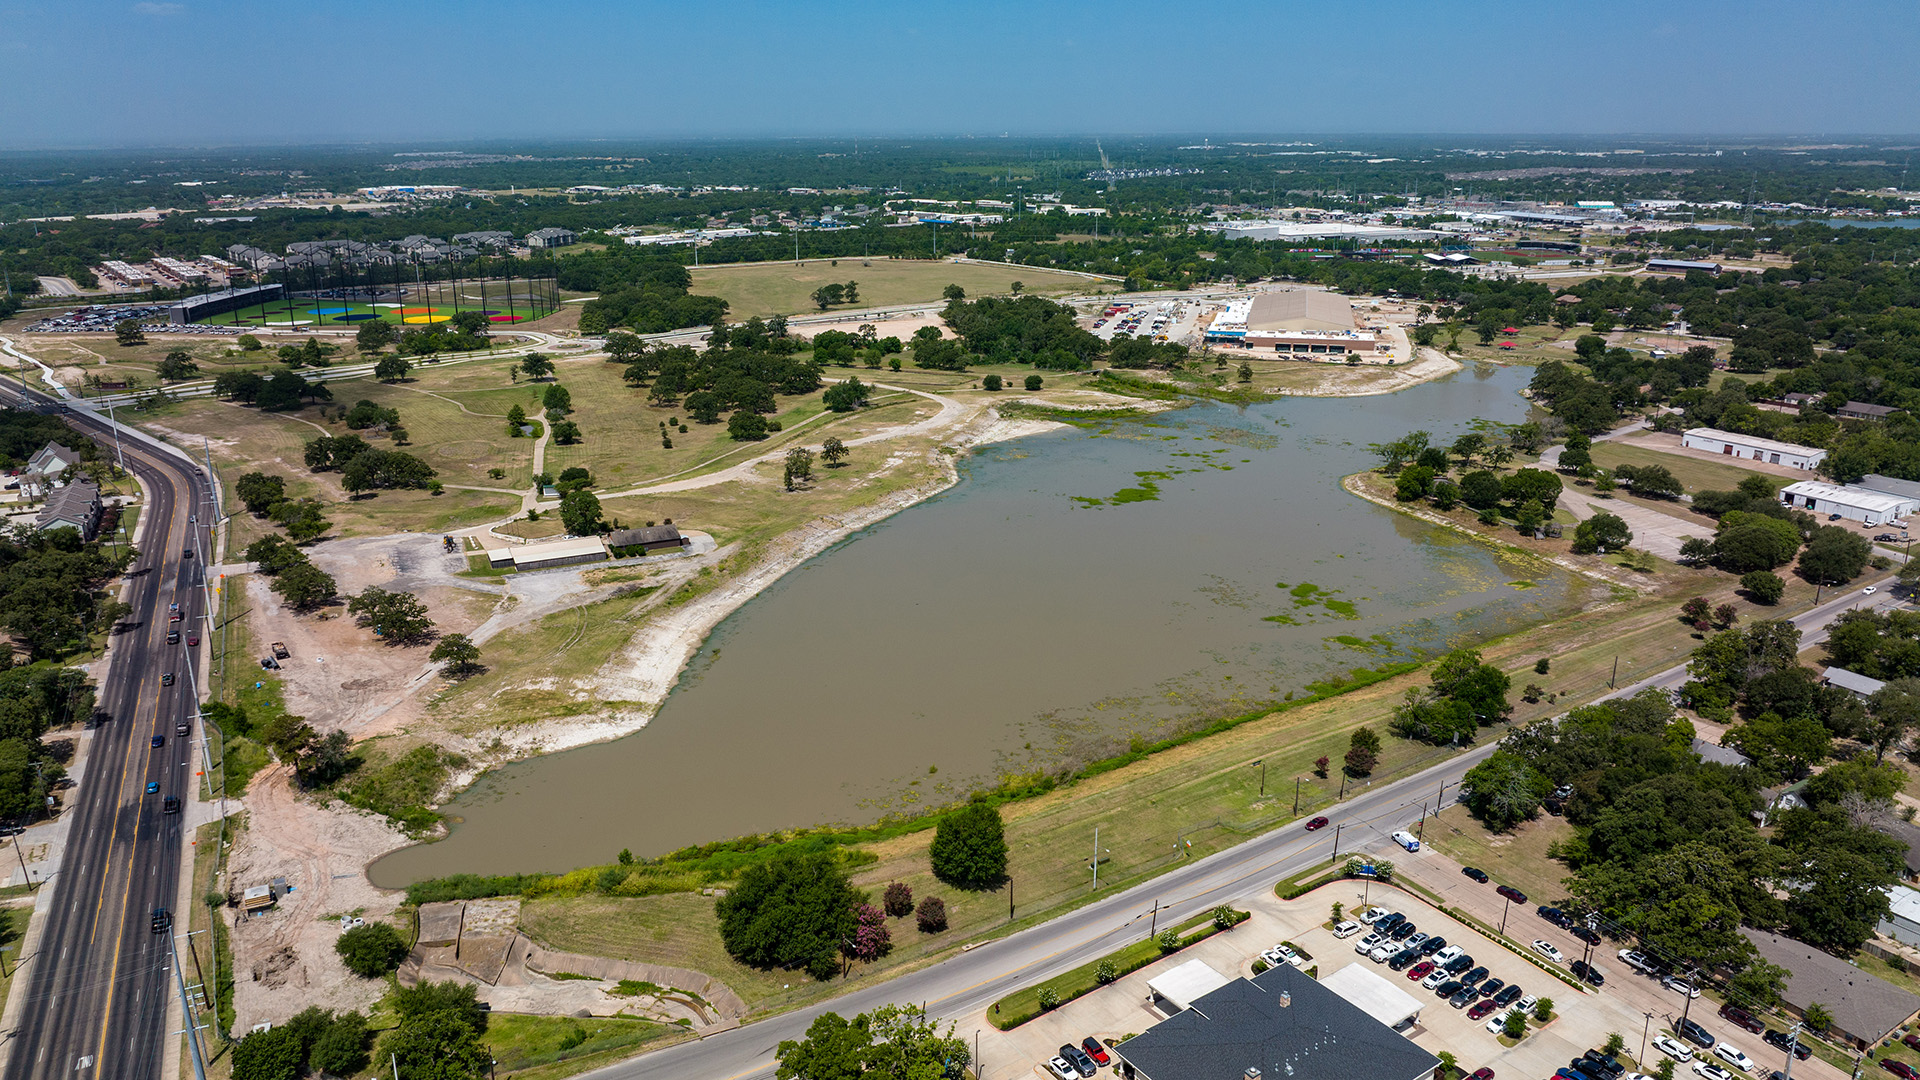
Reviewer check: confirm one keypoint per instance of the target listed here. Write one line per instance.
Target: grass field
(767, 289)
(1518, 858)
(1693, 473)
(679, 930)
(536, 1047)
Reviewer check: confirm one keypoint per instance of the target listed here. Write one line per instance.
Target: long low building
(1853, 503)
(549, 553)
(1865, 1008)
(1715, 441)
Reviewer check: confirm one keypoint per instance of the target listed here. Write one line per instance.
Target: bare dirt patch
(283, 958)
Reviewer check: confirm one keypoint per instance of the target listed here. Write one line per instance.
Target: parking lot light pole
(1645, 1030)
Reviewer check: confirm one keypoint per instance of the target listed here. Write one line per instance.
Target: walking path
(1653, 531)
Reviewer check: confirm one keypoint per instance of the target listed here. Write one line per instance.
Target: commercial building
(1906, 489)
(1902, 922)
(205, 306)
(1375, 996)
(1715, 441)
(624, 542)
(1278, 1025)
(1315, 230)
(1860, 410)
(1854, 503)
(551, 237)
(549, 554)
(1681, 266)
(75, 506)
(1300, 309)
(1299, 323)
(1865, 1009)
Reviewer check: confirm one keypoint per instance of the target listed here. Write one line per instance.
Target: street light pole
(1647, 1028)
(1506, 905)
(1296, 796)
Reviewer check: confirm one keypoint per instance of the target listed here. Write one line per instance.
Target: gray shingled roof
(1864, 685)
(1724, 755)
(1243, 1025)
(1862, 1005)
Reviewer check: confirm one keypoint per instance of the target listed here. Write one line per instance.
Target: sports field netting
(496, 300)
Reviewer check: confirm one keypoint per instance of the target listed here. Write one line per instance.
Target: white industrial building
(1715, 441)
(1315, 230)
(1902, 923)
(1853, 503)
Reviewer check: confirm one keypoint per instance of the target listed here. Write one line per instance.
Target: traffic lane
(106, 866)
(963, 984)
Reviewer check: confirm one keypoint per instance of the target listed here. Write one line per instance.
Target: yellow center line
(113, 973)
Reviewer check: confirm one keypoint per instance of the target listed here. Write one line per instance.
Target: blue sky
(212, 72)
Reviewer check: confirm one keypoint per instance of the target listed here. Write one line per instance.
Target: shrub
(1049, 998)
(1104, 972)
(969, 848)
(1541, 666)
(1543, 1010)
(898, 899)
(931, 915)
(274, 1054)
(1223, 918)
(991, 382)
(372, 950)
(1169, 941)
(1516, 1024)
(1033, 382)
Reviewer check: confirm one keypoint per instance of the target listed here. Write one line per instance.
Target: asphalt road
(965, 984)
(98, 984)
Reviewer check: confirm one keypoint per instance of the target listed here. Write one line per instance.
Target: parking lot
(1170, 320)
(1635, 1006)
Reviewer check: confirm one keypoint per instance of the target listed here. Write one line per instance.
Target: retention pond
(1076, 589)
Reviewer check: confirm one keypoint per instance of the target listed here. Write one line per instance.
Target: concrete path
(1653, 531)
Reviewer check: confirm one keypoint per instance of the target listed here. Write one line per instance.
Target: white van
(1346, 929)
(1406, 840)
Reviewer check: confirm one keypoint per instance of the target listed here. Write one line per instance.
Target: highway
(98, 983)
(962, 986)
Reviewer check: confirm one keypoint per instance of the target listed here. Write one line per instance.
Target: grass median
(1023, 1005)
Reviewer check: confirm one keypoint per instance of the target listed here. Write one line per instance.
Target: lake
(1075, 589)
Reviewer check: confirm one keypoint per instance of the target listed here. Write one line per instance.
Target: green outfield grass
(784, 288)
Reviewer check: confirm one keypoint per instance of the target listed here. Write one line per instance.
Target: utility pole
(1506, 906)
(1296, 793)
(1616, 672)
(1647, 1028)
(1262, 763)
(193, 1026)
(1793, 1040)
(1096, 858)
(1153, 922)
(1336, 840)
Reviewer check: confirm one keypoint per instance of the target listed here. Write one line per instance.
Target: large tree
(1601, 532)
(790, 911)
(969, 848)
(1504, 790)
(892, 1041)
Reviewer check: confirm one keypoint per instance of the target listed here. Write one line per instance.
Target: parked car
(1551, 914)
(1078, 1058)
(1463, 998)
(1434, 945)
(1637, 960)
(1735, 1057)
(1693, 1033)
(1062, 1070)
(1420, 970)
(1498, 1023)
(1899, 1068)
(1418, 940)
(1511, 893)
(1434, 978)
(1403, 930)
(1383, 952)
(1367, 944)
(1676, 983)
(1448, 989)
(1480, 1011)
(1316, 823)
(1095, 1051)
(1403, 958)
(1492, 987)
(1707, 1070)
(1507, 996)
(1592, 975)
(1785, 1041)
(1741, 1018)
(1460, 963)
(1446, 954)
(1548, 950)
(1385, 923)
(1591, 937)
(1475, 873)
(1472, 978)
(1373, 915)
(1406, 840)
(1281, 954)
(1526, 1003)
(1604, 1062)
(1481, 1074)
(1346, 929)
(1673, 1048)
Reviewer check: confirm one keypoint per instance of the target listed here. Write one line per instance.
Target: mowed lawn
(767, 289)
(1693, 474)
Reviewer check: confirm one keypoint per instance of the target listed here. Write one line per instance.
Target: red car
(1483, 1074)
(1316, 823)
(1420, 970)
(1480, 1011)
(193, 639)
(1898, 1068)
(1512, 894)
(1094, 1050)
